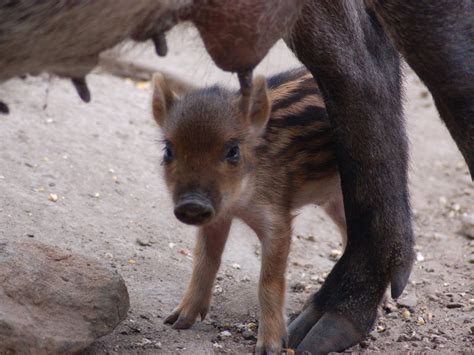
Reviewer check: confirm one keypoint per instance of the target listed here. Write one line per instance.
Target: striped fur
(298, 134)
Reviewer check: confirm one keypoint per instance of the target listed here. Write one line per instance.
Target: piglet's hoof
(184, 320)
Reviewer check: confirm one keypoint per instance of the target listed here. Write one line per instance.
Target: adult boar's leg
(437, 40)
(358, 71)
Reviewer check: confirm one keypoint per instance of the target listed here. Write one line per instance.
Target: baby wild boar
(258, 164)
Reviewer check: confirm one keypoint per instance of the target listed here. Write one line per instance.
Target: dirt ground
(102, 161)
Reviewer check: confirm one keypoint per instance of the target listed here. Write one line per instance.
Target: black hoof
(331, 333)
(298, 329)
(399, 278)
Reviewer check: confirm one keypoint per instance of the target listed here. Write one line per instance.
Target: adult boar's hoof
(344, 310)
(184, 317)
(332, 332)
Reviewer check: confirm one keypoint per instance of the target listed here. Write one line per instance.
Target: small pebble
(251, 326)
(236, 266)
(421, 321)
(438, 339)
(218, 289)
(144, 342)
(143, 242)
(335, 254)
(225, 334)
(389, 307)
(406, 313)
(52, 197)
(184, 251)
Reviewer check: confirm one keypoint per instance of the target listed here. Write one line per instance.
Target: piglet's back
(298, 135)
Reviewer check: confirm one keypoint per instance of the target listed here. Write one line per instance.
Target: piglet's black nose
(194, 209)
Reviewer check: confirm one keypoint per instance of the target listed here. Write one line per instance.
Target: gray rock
(52, 301)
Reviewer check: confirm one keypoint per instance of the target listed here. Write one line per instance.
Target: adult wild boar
(352, 48)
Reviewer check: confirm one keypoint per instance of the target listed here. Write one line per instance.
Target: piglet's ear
(259, 104)
(163, 98)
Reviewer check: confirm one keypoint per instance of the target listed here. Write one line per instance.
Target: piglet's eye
(233, 154)
(168, 155)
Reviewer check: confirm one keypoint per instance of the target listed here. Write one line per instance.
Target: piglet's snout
(194, 208)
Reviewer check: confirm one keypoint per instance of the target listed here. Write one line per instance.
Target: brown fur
(286, 161)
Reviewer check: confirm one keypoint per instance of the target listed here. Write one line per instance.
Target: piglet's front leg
(271, 293)
(210, 244)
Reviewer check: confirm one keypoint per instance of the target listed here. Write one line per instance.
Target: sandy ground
(102, 161)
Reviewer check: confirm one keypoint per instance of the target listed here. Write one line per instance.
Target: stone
(53, 301)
